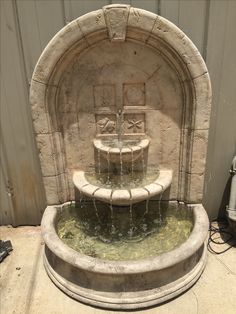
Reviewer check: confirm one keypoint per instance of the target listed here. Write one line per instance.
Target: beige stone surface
(51, 153)
(40, 115)
(26, 288)
(194, 187)
(203, 102)
(55, 48)
(91, 73)
(198, 151)
(124, 59)
(121, 196)
(56, 183)
(92, 22)
(219, 297)
(123, 154)
(141, 20)
(116, 19)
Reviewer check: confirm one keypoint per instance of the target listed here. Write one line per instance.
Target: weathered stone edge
(163, 261)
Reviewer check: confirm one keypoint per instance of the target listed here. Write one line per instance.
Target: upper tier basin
(126, 150)
(122, 196)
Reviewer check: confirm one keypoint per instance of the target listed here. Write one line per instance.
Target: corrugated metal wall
(28, 25)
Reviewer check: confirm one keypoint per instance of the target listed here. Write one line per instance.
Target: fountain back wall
(138, 63)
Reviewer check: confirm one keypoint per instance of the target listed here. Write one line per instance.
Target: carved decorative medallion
(106, 124)
(134, 123)
(134, 94)
(104, 96)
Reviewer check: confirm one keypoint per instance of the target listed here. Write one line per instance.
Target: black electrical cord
(221, 230)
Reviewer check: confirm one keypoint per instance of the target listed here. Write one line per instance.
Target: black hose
(221, 230)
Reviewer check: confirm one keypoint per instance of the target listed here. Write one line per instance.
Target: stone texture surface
(59, 44)
(156, 77)
(203, 101)
(141, 20)
(121, 196)
(56, 189)
(198, 151)
(40, 116)
(125, 284)
(194, 187)
(124, 154)
(128, 71)
(51, 153)
(92, 22)
(24, 280)
(116, 19)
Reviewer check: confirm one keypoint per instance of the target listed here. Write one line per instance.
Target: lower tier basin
(124, 284)
(122, 195)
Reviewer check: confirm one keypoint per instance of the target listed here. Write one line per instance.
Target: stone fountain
(120, 105)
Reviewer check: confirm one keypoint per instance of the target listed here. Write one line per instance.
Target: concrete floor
(26, 288)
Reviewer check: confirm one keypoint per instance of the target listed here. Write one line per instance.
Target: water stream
(81, 199)
(121, 166)
(143, 162)
(120, 123)
(147, 203)
(99, 161)
(95, 207)
(108, 165)
(131, 221)
(132, 162)
(159, 205)
(113, 229)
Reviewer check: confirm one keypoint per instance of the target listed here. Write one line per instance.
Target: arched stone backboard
(121, 57)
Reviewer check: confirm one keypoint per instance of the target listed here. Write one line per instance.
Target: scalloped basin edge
(123, 197)
(127, 154)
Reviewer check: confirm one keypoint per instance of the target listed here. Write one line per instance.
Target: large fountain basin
(122, 197)
(128, 152)
(124, 284)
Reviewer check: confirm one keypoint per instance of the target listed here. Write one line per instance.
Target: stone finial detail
(116, 17)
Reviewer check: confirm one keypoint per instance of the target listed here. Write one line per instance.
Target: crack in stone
(231, 272)
(196, 298)
(199, 75)
(45, 84)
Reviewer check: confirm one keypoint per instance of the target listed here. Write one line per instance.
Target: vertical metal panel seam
(37, 22)
(23, 71)
(6, 178)
(20, 44)
(206, 29)
(70, 10)
(63, 11)
(159, 7)
(26, 84)
(216, 104)
(222, 57)
(178, 11)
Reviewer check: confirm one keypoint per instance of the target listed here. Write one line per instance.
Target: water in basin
(146, 235)
(116, 143)
(129, 180)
